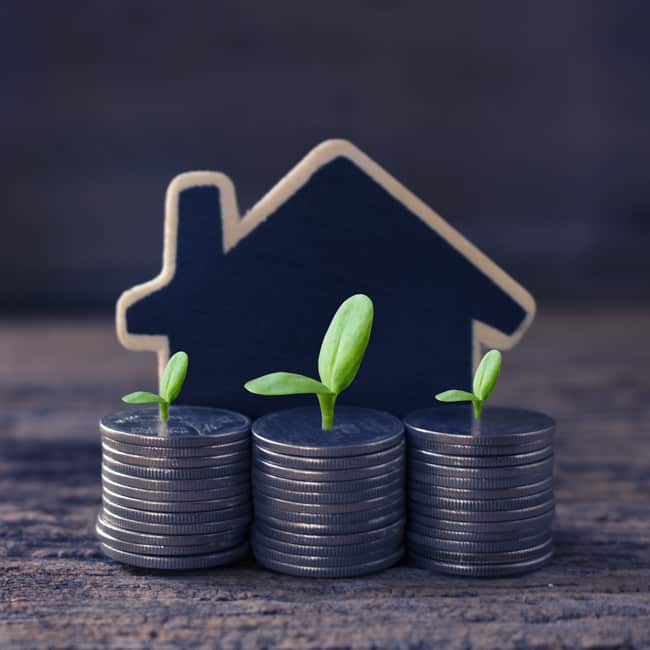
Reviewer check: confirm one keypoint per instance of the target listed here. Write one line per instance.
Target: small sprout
(341, 353)
(485, 378)
(171, 384)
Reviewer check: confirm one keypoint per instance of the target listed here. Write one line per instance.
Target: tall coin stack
(480, 496)
(176, 495)
(328, 503)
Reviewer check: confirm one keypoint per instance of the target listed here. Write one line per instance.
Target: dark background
(525, 124)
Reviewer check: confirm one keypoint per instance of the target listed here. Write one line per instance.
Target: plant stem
(477, 404)
(326, 403)
(164, 411)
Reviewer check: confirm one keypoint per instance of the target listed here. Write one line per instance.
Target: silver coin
(135, 525)
(454, 424)
(178, 452)
(263, 553)
(273, 469)
(329, 464)
(468, 494)
(382, 533)
(480, 505)
(159, 474)
(175, 496)
(481, 515)
(200, 517)
(520, 555)
(220, 558)
(541, 468)
(175, 485)
(353, 486)
(174, 463)
(220, 540)
(396, 498)
(477, 483)
(432, 444)
(472, 546)
(263, 509)
(481, 570)
(356, 431)
(381, 545)
(177, 506)
(296, 569)
(188, 426)
(531, 524)
(483, 536)
(149, 549)
(349, 498)
(480, 461)
(359, 526)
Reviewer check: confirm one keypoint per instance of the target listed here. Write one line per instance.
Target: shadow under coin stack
(480, 502)
(328, 503)
(176, 495)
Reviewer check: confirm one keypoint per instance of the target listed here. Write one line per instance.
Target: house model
(246, 295)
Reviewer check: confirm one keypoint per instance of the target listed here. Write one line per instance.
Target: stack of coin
(176, 494)
(328, 503)
(480, 496)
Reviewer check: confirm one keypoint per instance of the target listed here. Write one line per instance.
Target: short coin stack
(176, 495)
(328, 503)
(480, 500)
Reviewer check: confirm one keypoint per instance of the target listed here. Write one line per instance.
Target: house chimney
(199, 238)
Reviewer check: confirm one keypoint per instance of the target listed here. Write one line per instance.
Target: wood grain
(58, 591)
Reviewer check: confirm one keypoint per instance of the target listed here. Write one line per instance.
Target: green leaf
(285, 383)
(486, 374)
(455, 396)
(173, 376)
(345, 343)
(142, 397)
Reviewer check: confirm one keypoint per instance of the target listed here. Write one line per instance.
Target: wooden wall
(526, 124)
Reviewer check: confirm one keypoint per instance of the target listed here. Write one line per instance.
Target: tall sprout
(341, 353)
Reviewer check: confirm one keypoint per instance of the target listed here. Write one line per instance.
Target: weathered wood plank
(57, 590)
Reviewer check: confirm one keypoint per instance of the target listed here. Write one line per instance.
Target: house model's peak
(236, 226)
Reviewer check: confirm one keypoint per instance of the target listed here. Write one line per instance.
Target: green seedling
(485, 378)
(341, 353)
(171, 383)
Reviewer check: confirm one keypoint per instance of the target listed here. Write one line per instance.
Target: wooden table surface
(589, 369)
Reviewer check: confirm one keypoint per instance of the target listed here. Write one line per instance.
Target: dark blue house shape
(249, 295)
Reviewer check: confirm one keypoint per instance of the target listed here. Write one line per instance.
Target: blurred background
(525, 124)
